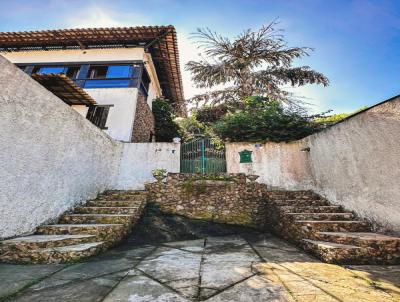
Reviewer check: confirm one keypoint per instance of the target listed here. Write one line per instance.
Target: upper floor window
(69, 71)
(88, 75)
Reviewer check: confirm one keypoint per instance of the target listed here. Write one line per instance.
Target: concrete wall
(355, 163)
(139, 159)
(52, 158)
(282, 166)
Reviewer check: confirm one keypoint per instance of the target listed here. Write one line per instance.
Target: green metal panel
(245, 156)
(201, 156)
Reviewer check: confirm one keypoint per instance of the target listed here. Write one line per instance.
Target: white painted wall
(122, 114)
(355, 164)
(283, 166)
(81, 109)
(75, 55)
(138, 160)
(52, 158)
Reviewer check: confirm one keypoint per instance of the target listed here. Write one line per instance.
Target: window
(102, 75)
(69, 71)
(98, 115)
(49, 69)
(110, 76)
(72, 72)
(109, 72)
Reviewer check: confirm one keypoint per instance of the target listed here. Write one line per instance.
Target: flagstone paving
(246, 267)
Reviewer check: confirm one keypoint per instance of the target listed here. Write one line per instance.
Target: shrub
(265, 120)
(165, 127)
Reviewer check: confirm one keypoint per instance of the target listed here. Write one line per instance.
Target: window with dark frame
(99, 75)
(98, 114)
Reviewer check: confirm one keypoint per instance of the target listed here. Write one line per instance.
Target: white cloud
(97, 16)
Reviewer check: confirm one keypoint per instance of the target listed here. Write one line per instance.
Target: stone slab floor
(245, 267)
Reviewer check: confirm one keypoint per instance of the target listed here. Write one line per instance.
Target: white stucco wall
(81, 109)
(122, 114)
(138, 160)
(50, 156)
(355, 163)
(283, 166)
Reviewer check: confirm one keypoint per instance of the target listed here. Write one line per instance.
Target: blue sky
(357, 43)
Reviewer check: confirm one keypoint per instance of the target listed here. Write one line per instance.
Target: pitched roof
(161, 42)
(64, 88)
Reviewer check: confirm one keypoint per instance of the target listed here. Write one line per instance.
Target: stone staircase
(88, 230)
(328, 231)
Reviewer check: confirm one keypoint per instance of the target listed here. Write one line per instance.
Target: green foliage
(165, 127)
(332, 119)
(210, 114)
(335, 118)
(159, 172)
(190, 128)
(265, 120)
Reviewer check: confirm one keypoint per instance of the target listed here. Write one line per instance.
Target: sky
(356, 42)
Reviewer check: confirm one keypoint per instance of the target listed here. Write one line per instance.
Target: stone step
(320, 216)
(107, 210)
(35, 242)
(337, 253)
(311, 209)
(104, 232)
(299, 202)
(332, 226)
(97, 218)
(123, 195)
(378, 242)
(114, 203)
(54, 255)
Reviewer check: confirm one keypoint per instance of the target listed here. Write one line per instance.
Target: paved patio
(246, 267)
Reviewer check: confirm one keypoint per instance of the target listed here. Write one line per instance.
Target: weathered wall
(50, 156)
(139, 159)
(279, 165)
(230, 200)
(355, 163)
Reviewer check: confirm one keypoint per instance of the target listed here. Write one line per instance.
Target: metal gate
(201, 156)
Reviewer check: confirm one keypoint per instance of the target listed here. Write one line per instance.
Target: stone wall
(223, 198)
(143, 125)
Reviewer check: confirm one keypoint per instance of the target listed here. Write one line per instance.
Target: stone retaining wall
(223, 198)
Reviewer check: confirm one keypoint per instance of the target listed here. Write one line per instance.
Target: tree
(263, 120)
(254, 63)
(165, 127)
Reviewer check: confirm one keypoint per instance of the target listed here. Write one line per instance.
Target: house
(109, 75)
